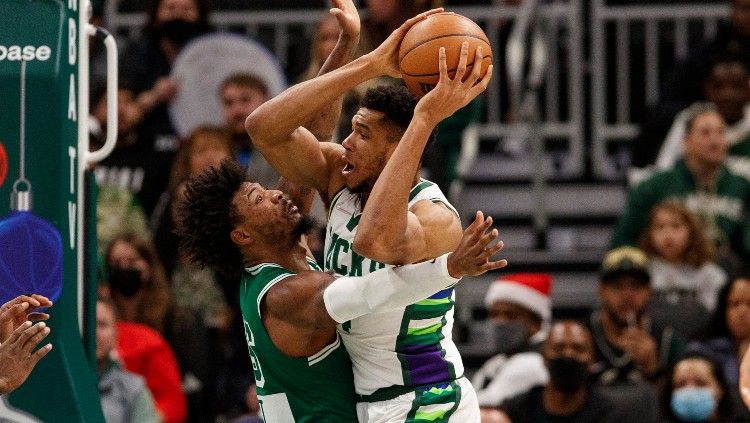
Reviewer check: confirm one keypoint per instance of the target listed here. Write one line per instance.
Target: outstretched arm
(313, 302)
(276, 126)
(388, 231)
(324, 122)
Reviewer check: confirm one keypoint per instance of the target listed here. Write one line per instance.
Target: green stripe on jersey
(419, 188)
(353, 222)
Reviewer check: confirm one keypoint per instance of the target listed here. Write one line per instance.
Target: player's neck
(292, 257)
(366, 193)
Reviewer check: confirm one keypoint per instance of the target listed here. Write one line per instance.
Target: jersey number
(257, 372)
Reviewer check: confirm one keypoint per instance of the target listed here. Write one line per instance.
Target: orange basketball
(419, 57)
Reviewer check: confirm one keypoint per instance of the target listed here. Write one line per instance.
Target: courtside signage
(28, 53)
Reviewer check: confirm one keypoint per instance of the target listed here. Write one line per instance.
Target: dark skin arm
(295, 315)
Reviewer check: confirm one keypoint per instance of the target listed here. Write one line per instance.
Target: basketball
(419, 52)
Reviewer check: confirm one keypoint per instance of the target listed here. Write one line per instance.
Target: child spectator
(681, 256)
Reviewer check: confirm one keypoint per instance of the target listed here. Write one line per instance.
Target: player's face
(706, 142)
(238, 102)
(624, 299)
(669, 235)
(265, 214)
(367, 150)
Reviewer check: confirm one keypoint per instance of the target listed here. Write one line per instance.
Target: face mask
(127, 282)
(510, 337)
(567, 374)
(179, 31)
(693, 404)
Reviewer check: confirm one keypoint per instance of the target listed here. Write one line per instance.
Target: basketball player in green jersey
(289, 306)
(406, 366)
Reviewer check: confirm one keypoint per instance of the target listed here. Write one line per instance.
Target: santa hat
(528, 290)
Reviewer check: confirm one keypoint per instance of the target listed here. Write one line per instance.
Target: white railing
(619, 21)
(563, 22)
(610, 120)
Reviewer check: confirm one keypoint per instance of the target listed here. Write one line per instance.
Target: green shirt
(319, 388)
(722, 209)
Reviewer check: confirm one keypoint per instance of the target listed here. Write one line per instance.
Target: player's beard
(303, 227)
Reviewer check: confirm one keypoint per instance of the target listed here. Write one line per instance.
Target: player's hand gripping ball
(419, 52)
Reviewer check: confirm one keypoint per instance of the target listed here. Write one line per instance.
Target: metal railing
(659, 24)
(563, 22)
(611, 29)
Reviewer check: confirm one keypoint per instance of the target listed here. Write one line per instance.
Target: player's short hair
(245, 80)
(397, 103)
(206, 218)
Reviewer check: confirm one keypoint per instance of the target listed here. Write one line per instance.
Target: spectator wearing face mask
(696, 391)
(147, 62)
(520, 309)
(569, 396)
(139, 290)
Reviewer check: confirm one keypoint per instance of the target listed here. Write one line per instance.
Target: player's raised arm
(388, 231)
(308, 305)
(276, 127)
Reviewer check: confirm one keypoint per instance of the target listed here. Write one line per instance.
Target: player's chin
(352, 184)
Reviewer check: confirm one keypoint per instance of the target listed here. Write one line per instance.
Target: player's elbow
(254, 125)
(251, 124)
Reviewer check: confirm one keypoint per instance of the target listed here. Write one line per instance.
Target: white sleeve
(387, 289)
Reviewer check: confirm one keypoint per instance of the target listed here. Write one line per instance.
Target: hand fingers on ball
(483, 83)
(463, 58)
(443, 65)
(476, 69)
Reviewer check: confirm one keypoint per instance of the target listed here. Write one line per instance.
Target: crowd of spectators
(170, 338)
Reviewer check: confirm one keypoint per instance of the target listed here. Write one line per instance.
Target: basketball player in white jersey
(406, 367)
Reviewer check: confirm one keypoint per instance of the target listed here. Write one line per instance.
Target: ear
(240, 237)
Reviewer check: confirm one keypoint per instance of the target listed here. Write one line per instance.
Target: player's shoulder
(294, 289)
(427, 199)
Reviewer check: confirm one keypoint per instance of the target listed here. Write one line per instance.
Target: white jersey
(411, 346)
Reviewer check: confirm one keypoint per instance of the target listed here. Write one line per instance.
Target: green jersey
(318, 388)
(722, 209)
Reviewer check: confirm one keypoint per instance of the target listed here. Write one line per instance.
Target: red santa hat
(528, 290)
